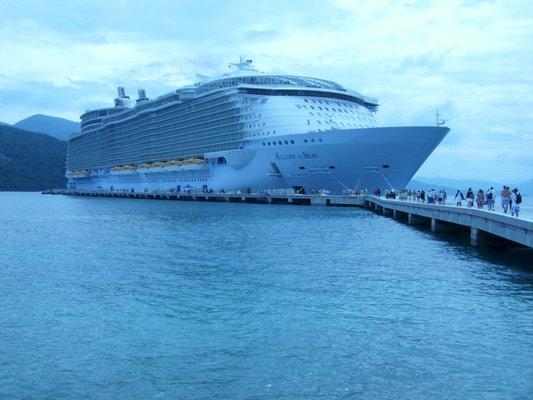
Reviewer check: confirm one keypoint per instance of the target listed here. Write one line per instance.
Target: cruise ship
(246, 130)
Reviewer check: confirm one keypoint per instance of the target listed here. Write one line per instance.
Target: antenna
(439, 121)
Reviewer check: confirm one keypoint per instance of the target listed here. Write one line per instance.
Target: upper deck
(243, 78)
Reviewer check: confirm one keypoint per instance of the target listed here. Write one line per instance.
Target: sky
(471, 60)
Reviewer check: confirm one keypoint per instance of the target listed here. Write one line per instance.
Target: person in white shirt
(459, 197)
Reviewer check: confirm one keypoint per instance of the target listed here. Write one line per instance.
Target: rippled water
(138, 299)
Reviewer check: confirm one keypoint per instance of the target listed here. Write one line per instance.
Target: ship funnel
(142, 97)
(122, 100)
(121, 92)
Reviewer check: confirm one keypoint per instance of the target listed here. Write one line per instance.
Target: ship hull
(335, 160)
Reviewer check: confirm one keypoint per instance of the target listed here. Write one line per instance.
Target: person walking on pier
(480, 198)
(470, 197)
(440, 198)
(489, 197)
(516, 200)
(506, 199)
(459, 197)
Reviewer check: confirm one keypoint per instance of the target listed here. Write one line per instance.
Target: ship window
(292, 141)
(269, 143)
(305, 140)
(306, 100)
(298, 106)
(279, 142)
(285, 142)
(320, 139)
(263, 143)
(312, 107)
(274, 143)
(313, 140)
(331, 167)
(302, 167)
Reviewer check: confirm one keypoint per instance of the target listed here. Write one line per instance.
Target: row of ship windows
(282, 142)
(359, 117)
(181, 180)
(180, 110)
(339, 110)
(328, 103)
(174, 180)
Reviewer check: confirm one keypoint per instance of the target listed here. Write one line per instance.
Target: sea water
(138, 299)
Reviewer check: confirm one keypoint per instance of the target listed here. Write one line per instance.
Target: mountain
(59, 128)
(525, 187)
(30, 161)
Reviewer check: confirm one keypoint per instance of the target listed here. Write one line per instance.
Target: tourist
(459, 197)
(422, 196)
(489, 197)
(429, 196)
(439, 197)
(480, 198)
(506, 199)
(444, 196)
(516, 200)
(470, 197)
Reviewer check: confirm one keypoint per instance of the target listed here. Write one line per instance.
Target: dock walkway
(265, 198)
(486, 228)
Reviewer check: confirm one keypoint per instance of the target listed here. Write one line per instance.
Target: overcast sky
(472, 60)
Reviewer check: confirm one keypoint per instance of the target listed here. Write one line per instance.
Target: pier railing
(486, 228)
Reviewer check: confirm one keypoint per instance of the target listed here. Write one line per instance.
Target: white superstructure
(242, 130)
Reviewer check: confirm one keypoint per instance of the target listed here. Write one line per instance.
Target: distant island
(30, 161)
(60, 128)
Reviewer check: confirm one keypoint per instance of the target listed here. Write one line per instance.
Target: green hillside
(30, 161)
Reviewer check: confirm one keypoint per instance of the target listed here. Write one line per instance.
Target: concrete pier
(486, 228)
(413, 219)
(264, 198)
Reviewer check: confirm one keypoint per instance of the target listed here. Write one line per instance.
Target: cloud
(469, 60)
(261, 34)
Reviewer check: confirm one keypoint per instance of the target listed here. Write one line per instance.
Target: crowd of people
(510, 199)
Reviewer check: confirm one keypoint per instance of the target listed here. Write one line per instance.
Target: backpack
(518, 198)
